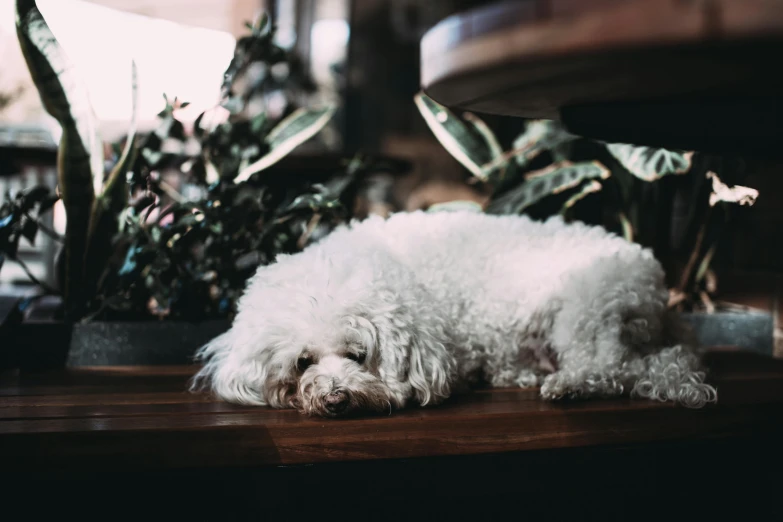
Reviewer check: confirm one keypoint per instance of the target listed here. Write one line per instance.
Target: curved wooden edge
(454, 47)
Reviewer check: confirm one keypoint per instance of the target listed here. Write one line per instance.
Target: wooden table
(692, 74)
(497, 445)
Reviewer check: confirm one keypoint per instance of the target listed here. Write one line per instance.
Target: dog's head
(326, 354)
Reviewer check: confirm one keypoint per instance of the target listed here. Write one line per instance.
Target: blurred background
(361, 54)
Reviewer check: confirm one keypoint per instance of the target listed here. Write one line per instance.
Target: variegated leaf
(589, 188)
(539, 136)
(542, 183)
(483, 129)
(294, 130)
(650, 163)
(456, 137)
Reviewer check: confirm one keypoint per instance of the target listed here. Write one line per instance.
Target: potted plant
(157, 250)
(675, 202)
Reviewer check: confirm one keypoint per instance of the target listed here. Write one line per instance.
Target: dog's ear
(226, 374)
(413, 355)
(236, 374)
(431, 369)
(361, 330)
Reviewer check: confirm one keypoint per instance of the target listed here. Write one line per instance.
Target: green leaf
(650, 163)
(492, 173)
(705, 264)
(539, 136)
(62, 91)
(291, 132)
(588, 188)
(30, 230)
(261, 25)
(483, 129)
(80, 159)
(457, 138)
(627, 226)
(542, 183)
(313, 202)
(30, 197)
(47, 204)
(109, 203)
(115, 184)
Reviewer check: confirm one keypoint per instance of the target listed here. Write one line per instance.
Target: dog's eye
(303, 363)
(357, 357)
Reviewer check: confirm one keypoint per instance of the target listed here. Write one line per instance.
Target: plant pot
(35, 340)
(140, 343)
(41, 345)
(747, 330)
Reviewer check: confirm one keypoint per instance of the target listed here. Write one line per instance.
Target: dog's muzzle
(336, 401)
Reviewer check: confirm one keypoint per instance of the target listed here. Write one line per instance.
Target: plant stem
(30, 275)
(506, 156)
(694, 257)
(171, 192)
(46, 230)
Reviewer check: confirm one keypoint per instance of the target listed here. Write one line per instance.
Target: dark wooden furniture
(692, 74)
(506, 447)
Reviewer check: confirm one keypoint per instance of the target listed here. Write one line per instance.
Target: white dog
(385, 313)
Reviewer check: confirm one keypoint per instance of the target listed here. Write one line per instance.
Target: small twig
(302, 241)
(171, 192)
(30, 275)
(707, 302)
(506, 156)
(676, 298)
(164, 211)
(155, 204)
(46, 230)
(89, 317)
(694, 258)
(49, 232)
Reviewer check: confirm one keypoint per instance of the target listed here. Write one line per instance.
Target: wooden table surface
(142, 418)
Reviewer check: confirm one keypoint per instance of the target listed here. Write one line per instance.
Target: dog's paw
(562, 385)
(555, 387)
(527, 379)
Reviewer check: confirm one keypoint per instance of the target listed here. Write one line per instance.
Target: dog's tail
(674, 374)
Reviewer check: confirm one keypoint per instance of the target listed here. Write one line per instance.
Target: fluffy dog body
(385, 313)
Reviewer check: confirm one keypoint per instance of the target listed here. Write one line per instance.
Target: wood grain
(142, 418)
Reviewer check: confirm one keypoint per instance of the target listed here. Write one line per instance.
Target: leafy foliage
(20, 217)
(191, 259)
(549, 170)
(539, 184)
(137, 244)
(297, 128)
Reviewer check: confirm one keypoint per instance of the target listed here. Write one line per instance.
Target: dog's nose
(336, 401)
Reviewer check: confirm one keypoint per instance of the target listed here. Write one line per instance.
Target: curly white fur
(384, 313)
